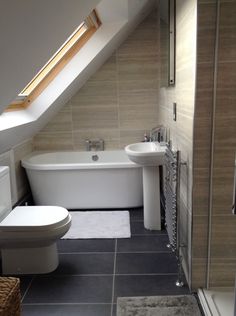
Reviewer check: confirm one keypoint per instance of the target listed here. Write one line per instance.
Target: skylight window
(57, 62)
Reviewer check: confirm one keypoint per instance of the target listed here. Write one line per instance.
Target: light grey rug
(99, 224)
(182, 305)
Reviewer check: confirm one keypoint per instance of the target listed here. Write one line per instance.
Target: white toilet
(28, 234)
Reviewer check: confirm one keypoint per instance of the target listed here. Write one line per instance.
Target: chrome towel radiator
(171, 193)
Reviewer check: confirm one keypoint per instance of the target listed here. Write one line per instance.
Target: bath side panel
(87, 189)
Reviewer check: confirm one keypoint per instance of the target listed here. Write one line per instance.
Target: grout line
(144, 252)
(113, 281)
(109, 275)
(76, 275)
(102, 275)
(86, 253)
(150, 234)
(209, 250)
(101, 253)
(27, 289)
(147, 274)
(56, 303)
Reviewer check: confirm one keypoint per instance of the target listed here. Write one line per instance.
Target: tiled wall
(222, 269)
(119, 102)
(207, 14)
(215, 124)
(181, 131)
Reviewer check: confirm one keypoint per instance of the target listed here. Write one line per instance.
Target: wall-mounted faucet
(94, 144)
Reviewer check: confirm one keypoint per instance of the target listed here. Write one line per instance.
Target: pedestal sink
(150, 156)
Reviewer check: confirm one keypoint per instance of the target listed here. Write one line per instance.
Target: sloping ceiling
(119, 18)
(31, 31)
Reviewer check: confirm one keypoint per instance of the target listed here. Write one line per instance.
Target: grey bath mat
(99, 224)
(182, 305)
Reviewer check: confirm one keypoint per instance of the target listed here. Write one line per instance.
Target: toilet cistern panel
(5, 192)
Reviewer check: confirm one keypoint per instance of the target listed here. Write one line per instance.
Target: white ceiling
(31, 31)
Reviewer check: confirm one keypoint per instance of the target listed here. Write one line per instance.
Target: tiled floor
(93, 273)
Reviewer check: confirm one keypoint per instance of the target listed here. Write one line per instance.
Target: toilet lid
(26, 218)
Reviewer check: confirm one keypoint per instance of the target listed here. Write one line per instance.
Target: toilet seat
(35, 218)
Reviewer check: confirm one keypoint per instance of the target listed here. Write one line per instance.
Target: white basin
(150, 155)
(146, 154)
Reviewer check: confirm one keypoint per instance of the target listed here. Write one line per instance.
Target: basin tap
(146, 138)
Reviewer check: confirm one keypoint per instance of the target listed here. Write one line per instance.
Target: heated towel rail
(171, 192)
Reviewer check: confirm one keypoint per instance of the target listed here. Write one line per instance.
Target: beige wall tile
(223, 179)
(122, 95)
(62, 122)
(135, 68)
(226, 92)
(222, 273)
(223, 240)
(200, 237)
(199, 273)
(110, 137)
(201, 191)
(96, 93)
(108, 72)
(53, 141)
(138, 117)
(207, 15)
(95, 117)
(131, 136)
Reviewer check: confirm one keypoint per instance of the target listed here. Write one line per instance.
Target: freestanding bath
(84, 180)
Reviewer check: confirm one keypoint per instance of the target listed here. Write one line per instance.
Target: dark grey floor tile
(137, 228)
(114, 310)
(86, 245)
(136, 214)
(67, 310)
(102, 263)
(145, 263)
(143, 243)
(143, 285)
(70, 289)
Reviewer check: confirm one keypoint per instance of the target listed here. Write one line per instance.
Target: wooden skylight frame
(58, 61)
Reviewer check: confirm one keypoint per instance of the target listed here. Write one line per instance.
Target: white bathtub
(73, 180)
